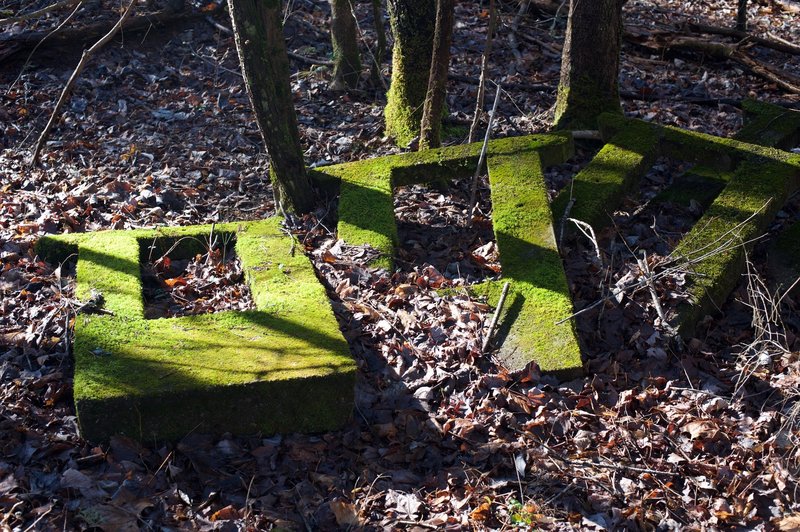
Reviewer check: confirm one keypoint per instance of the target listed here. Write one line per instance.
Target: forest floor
(159, 131)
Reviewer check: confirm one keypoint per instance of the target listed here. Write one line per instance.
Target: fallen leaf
(225, 514)
(482, 512)
(345, 513)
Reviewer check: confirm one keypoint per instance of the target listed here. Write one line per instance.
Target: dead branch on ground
(662, 43)
(11, 45)
(38, 13)
(745, 37)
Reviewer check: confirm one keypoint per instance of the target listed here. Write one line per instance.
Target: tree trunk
(431, 124)
(258, 31)
(346, 61)
(741, 16)
(380, 52)
(413, 24)
(589, 83)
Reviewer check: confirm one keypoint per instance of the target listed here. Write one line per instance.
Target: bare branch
(78, 69)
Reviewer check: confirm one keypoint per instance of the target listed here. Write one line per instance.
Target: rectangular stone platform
(282, 367)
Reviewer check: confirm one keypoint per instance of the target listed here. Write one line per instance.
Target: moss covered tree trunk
(413, 24)
(589, 83)
(346, 60)
(431, 126)
(258, 31)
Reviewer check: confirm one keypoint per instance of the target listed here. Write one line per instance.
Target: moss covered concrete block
(766, 125)
(279, 368)
(522, 224)
(366, 209)
(598, 189)
(540, 299)
(757, 181)
(770, 125)
(716, 245)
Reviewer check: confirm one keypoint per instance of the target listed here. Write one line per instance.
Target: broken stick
(495, 318)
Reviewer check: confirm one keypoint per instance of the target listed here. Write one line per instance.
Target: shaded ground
(159, 131)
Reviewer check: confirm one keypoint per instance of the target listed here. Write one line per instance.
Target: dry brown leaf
(482, 512)
(225, 514)
(790, 523)
(704, 429)
(345, 512)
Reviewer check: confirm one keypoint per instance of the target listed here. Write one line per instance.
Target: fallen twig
(651, 286)
(309, 60)
(495, 318)
(487, 52)
(618, 467)
(78, 69)
(776, 44)
(473, 196)
(39, 13)
(588, 232)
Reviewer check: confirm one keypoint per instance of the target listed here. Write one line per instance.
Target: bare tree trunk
(413, 25)
(380, 32)
(431, 124)
(346, 61)
(741, 16)
(258, 31)
(589, 83)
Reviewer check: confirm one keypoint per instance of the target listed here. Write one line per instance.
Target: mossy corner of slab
(366, 210)
(770, 125)
(599, 187)
(739, 215)
(128, 368)
(529, 328)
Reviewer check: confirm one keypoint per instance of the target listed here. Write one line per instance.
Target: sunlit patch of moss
(522, 224)
(282, 367)
(740, 214)
(598, 189)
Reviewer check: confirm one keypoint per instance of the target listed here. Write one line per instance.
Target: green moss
(769, 125)
(366, 210)
(740, 214)
(412, 26)
(529, 256)
(281, 367)
(764, 177)
(599, 188)
(522, 223)
(579, 105)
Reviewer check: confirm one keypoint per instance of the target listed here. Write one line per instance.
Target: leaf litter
(441, 438)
